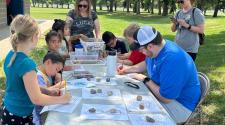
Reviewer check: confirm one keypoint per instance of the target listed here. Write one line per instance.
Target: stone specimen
(149, 119)
(93, 91)
(139, 98)
(141, 106)
(109, 93)
(92, 110)
(99, 90)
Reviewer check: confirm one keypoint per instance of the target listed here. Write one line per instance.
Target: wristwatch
(146, 79)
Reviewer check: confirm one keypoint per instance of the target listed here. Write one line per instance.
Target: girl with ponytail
(22, 89)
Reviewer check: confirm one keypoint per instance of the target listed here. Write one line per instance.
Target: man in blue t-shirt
(172, 75)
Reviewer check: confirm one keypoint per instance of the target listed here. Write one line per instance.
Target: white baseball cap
(145, 35)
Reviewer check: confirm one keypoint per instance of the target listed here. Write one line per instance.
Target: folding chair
(205, 85)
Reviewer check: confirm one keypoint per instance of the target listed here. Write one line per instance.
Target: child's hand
(60, 84)
(54, 92)
(83, 37)
(66, 98)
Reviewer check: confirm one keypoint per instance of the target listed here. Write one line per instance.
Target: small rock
(109, 93)
(141, 106)
(149, 119)
(93, 91)
(113, 110)
(139, 98)
(92, 110)
(98, 79)
(99, 90)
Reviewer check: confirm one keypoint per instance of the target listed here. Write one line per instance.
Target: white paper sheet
(79, 83)
(67, 108)
(129, 76)
(140, 119)
(103, 112)
(133, 105)
(116, 95)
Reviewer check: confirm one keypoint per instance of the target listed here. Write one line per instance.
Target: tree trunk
(115, 5)
(138, 7)
(200, 4)
(173, 7)
(159, 7)
(111, 6)
(165, 7)
(128, 5)
(57, 5)
(94, 2)
(216, 10)
(33, 2)
(100, 6)
(152, 6)
(68, 6)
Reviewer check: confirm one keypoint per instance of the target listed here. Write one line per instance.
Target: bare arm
(34, 92)
(198, 29)
(155, 90)
(126, 62)
(173, 27)
(97, 28)
(138, 68)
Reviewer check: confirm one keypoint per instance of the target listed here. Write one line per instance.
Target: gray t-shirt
(185, 38)
(82, 25)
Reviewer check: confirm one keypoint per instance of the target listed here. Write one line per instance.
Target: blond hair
(77, 12)
(192, 2)
(129, 31)
(22, 28)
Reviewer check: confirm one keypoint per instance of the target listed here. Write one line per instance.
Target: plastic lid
(78, 46)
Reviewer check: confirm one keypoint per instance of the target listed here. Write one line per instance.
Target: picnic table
(157, 112)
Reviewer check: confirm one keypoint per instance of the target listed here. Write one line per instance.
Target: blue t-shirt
(16, 99)
(175, 72)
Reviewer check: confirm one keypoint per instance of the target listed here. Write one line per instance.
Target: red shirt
(136, 57)
(7, 2)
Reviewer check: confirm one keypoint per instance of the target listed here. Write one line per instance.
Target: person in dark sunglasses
(188, 23)
(83, 20)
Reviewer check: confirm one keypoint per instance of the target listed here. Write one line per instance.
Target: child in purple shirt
(53, 62)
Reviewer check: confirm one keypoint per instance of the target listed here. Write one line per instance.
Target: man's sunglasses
(180, 1)
(84, 6)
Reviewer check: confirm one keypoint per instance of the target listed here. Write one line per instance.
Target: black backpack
(201, 35)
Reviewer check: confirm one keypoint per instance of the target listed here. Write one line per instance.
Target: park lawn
(210, 60)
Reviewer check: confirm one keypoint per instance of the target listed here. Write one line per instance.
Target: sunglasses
(84, 6)
(180, 1)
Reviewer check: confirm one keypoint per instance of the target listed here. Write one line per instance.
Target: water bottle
(111, 63)
(78, 49)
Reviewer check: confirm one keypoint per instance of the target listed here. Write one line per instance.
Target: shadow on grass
(210, 59)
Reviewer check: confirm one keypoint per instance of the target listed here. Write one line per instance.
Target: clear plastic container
(84, 56)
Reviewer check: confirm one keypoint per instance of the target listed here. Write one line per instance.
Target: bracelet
(146, 79)
(189, 27)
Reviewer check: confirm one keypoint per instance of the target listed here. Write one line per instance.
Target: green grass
(210, 60)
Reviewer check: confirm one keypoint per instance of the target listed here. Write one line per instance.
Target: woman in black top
(84, 20)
